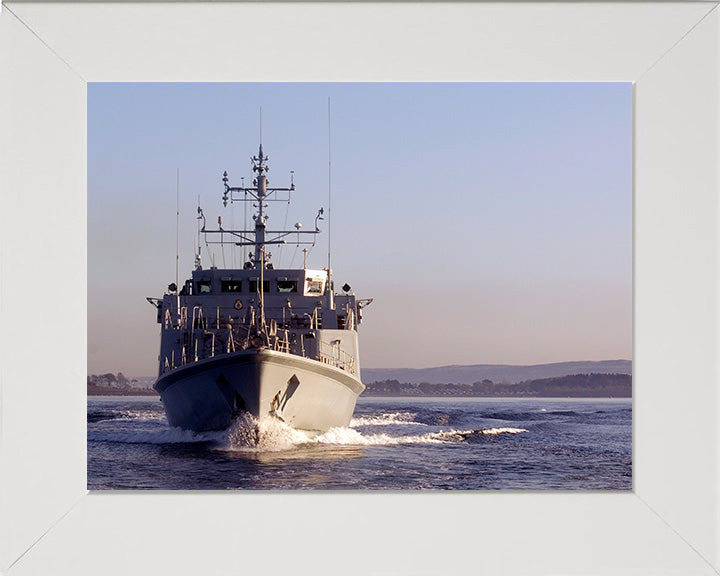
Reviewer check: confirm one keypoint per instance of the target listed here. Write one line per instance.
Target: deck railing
(335, 356)
(202, 340)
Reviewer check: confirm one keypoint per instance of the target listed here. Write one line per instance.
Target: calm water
(392, 443)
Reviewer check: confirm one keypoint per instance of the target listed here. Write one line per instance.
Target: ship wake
(271, 434)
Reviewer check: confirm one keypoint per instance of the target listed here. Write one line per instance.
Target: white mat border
(670, 523)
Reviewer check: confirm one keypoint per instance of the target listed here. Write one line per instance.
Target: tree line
(110, 380)
(573, 386)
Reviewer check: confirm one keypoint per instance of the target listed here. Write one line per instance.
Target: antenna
(329, 202)
(177, 228)
(245, 217)
(198, 248)
(260, 125)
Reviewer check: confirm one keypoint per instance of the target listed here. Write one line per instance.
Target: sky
(490, 222)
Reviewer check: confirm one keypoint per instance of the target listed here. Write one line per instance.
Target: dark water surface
(392, 443)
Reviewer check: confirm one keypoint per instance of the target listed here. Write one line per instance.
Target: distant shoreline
(144, 392)
(572, 386)
(106, 391)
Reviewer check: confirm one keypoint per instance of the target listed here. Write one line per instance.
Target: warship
(269, 342)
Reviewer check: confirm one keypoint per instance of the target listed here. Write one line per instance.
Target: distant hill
(506, 373)
(574, 386)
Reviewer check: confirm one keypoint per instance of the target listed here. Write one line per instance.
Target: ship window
(204, 287)
(231, 285)
(254, 285)
(287, 285)
(313, 286)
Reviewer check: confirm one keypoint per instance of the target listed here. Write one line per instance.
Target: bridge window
(254, 285)
(313, 286)
(231, 285)
(204, 286)
(287, 285)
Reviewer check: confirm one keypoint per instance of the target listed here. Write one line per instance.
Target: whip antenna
(329, 197)
(177, 227)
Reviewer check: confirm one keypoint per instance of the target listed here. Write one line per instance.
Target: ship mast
(261, 191)
(260, 237)
(261, 183)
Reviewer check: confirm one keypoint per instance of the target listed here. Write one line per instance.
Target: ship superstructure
(267, 341)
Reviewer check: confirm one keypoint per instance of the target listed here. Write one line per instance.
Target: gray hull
(305, 393)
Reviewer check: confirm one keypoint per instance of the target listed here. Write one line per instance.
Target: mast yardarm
(261, 193)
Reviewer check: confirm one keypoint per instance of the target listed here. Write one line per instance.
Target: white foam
(343, 436)
(268, 433)
(386, 419)
(271, 434)
(348, 436)
(501, 430)
(141, 415)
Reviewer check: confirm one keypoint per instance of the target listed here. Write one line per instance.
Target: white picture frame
(668, 524)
